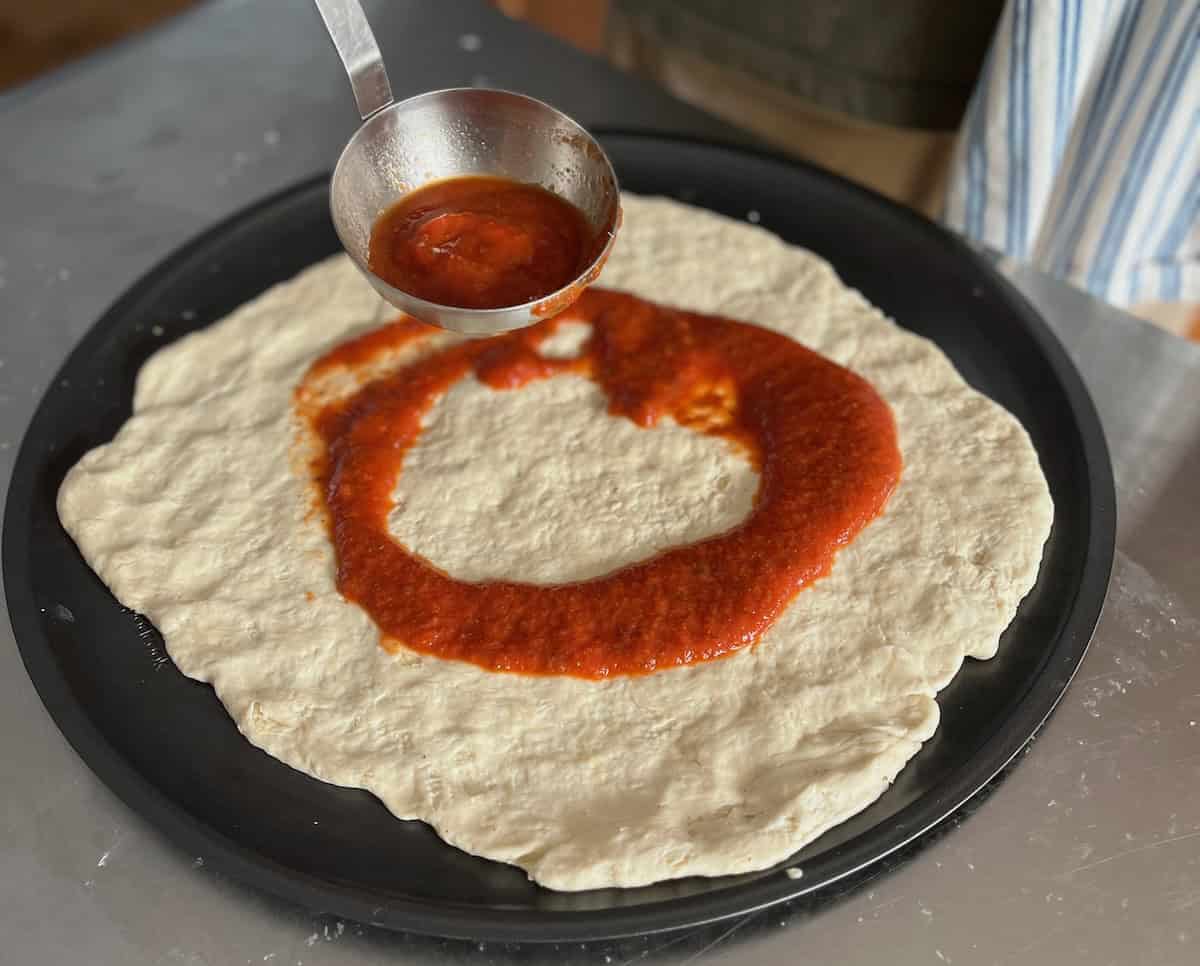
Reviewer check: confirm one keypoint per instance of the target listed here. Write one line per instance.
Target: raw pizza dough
(198, 515)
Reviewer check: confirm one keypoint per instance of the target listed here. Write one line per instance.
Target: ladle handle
(351, 35)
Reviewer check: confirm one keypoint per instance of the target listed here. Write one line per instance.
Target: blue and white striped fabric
(1080, 149)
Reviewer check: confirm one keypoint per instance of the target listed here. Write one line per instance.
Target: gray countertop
(1088, 851)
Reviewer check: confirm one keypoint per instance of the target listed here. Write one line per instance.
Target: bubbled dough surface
(197, 515)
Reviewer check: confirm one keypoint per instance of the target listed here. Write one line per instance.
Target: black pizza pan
(165, 745)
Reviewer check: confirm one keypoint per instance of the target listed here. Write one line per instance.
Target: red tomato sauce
(823, 440)
(481, 243)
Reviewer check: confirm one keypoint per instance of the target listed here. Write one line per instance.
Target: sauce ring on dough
(823, 440)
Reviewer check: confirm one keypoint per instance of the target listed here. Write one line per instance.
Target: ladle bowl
(404, 145)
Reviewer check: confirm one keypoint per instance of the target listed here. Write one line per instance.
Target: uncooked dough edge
(739, 763)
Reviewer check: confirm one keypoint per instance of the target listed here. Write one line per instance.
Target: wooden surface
(35, 37)
(579, 22)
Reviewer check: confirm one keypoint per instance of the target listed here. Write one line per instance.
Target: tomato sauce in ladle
(482, 242)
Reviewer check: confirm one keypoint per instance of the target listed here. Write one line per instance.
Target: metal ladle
(442, 134)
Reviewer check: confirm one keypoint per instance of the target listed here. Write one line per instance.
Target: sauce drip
(481, 243)
(822, 439)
